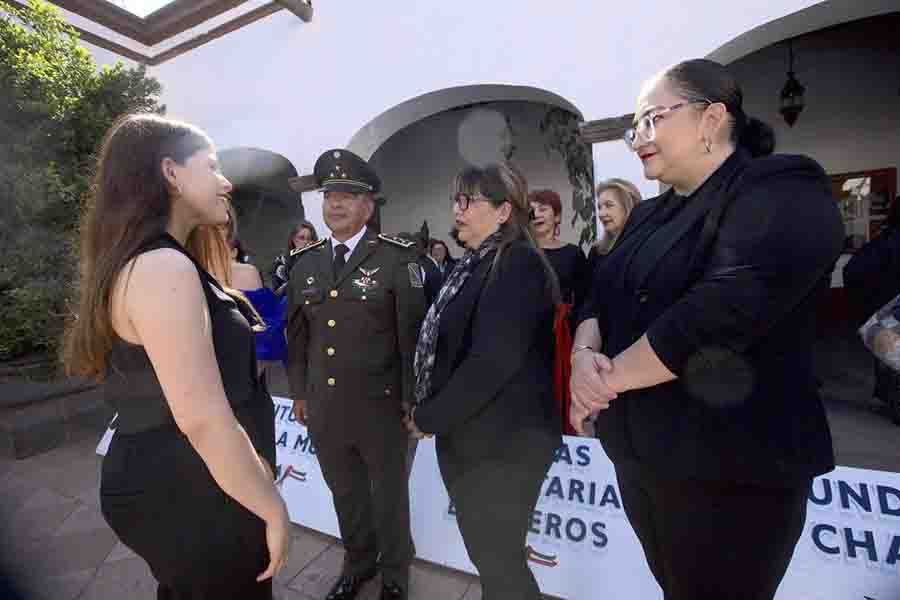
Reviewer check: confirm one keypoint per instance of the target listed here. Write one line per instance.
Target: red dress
(562, 367)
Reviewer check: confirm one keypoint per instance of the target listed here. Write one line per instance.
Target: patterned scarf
(423, 364)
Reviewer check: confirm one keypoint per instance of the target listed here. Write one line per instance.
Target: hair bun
(757, 137)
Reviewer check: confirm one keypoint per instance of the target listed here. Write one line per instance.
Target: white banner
(581, 545)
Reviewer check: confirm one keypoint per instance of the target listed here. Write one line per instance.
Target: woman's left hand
(411, 427)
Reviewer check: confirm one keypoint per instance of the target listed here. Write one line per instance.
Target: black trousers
(494, 501)
(367, 475)
(158, 496)
(710, 540)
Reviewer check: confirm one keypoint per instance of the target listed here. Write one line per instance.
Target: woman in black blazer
(698, 351)
(484, 381)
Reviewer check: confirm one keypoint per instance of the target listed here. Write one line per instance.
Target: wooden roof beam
(605, 130)
(301, 8)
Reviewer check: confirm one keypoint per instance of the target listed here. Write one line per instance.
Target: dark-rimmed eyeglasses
(645, 127)
(462, 200)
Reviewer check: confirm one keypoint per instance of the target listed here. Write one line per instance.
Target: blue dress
(270, 343)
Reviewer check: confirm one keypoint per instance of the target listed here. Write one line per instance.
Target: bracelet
(578, 348)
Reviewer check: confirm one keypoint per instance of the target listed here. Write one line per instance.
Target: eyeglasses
(462, 200)
(645, 127)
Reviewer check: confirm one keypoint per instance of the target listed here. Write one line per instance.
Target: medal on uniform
(366, 283)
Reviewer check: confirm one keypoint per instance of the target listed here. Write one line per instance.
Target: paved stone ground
(54, 544)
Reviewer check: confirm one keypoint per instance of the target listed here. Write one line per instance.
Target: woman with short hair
(573, 273)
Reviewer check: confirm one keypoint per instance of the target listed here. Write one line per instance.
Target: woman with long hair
(696, 350)
(271, 344)
(302, 234)
(187, 482)
(483, 377)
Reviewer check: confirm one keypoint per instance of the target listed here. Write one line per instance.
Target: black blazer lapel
(716, 194)
(632, 225)
(457, 318)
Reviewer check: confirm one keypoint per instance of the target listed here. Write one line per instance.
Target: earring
(708, 146)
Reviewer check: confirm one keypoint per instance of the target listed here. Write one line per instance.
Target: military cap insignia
(343, 171)
(297, 251)
(396, 241)
(415, 275)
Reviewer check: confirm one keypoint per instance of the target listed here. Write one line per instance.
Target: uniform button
(331, 382)
(363, 297)
(334, 293)
(332, 322)
(307, 302)
(387, 391)
(330, 351)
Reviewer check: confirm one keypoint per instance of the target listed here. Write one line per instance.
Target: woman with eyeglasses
(483, 378)
(697, 353)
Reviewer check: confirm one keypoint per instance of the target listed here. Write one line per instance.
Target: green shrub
(55, 106)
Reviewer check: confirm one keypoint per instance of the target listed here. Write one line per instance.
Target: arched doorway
(847, 56)
(419, 145)
(266, 205)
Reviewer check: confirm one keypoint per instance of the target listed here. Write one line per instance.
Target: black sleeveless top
(134, 392)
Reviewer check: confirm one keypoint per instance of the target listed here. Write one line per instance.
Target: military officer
(355, 303)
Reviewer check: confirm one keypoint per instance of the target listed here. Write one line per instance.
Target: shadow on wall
(267, 208)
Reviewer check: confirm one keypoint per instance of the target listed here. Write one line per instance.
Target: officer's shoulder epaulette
(396, 241)
(298, 251)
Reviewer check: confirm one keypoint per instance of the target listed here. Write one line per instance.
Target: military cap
(343, 171)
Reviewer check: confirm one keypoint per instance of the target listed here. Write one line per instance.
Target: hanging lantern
(792, 100)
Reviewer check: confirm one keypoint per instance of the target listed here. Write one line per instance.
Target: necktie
(340, 254)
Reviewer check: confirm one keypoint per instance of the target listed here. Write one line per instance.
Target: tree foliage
(562, 136)
(55, 106)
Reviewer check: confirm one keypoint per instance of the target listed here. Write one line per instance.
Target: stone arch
(819, 16)
(266, 204)
(418, 193)
(370, 137)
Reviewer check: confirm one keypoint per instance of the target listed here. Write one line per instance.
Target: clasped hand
(589, 386)
(410, 423)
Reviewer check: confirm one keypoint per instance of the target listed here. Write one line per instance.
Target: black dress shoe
(392, 591)
(348, 586)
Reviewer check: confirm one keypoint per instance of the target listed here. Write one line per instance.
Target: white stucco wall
(297, 88)
(417, 166)
(852, 117)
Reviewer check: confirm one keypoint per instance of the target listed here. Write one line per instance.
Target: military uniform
(351, 341)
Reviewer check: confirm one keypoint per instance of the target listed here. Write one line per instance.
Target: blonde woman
(616, 198)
